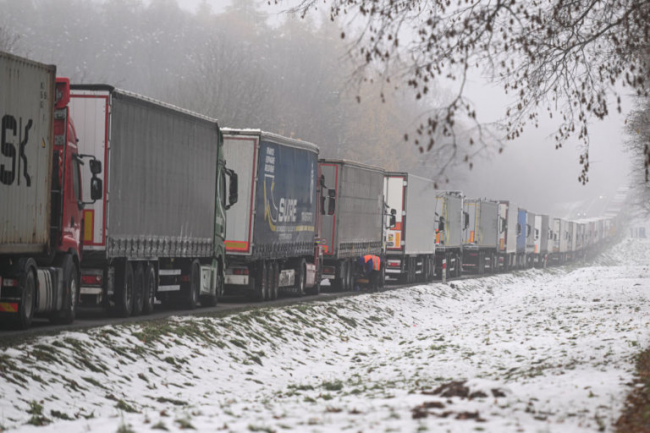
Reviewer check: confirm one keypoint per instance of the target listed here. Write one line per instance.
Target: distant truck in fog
(410, 243)
(481, 235)
(357, 224)
(449, 225)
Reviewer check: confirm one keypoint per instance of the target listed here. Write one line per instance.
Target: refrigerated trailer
(481, 235)
(522, 223)
(272, 240)
(159, 232)
(543, 222)
(356, 225)
(507, 253)
(449, 230)
(560, 240)
(40, 195)
(531, 233)
(410, 243)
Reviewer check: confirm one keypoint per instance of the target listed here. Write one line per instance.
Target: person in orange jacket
(370, 267)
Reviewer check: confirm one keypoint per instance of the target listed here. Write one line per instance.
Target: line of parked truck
(182, 211)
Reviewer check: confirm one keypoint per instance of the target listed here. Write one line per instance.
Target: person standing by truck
(370, 268)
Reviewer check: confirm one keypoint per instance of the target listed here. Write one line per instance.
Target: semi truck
(40, 195)
(522, 224)
(273, 238)
(507, 252)
(481, 235)
(410, 243)
(159, 232)
(544, 239)
(560, 240)
(531, 236)
(449, 230)
(356, 227)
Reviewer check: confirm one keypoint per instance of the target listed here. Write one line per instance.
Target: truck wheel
(192, 295)
(315, 291)
(301, 276)
(261, 282)
(211, 300)
(350, 276)
(124, 299)
(150, 288)
(138, 290)
(68, 310)
(27, 280)
(459, 265)
(275, 280)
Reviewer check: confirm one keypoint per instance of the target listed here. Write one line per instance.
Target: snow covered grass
(532, 351)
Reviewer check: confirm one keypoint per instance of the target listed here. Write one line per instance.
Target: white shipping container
(27, 111)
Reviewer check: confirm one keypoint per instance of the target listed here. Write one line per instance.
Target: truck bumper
(237, 280)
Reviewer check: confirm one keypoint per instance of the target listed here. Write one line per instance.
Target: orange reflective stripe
(8, 307)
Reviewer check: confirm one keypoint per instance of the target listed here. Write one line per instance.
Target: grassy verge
(636, 414)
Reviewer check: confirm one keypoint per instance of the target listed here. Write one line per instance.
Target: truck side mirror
(536, 234)
(518, 229)
(95, 167)
(322, 205)
(466, 220)
(392, 221)
(441, 224)
(503, 225)
(331, 205)
(96, 188)
(233, 190)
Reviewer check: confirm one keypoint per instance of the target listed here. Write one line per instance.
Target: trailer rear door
(241, 153)
(90, 110)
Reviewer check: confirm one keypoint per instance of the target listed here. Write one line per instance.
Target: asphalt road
(96, 317)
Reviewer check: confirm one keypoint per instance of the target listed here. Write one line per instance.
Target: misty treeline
(282, 74)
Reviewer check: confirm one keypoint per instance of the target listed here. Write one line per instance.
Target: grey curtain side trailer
(159, 232)
(356, 227)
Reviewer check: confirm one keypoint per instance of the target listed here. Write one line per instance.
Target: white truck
(410, 243)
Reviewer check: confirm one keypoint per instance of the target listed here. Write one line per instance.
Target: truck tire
(26, 269)
(349, 277)
(315, 291)
(68, 310)
(275, 280)
(261, 282)
(301, 276)
(138, 290)
(194, 288)
(150, 289)
(124, 291)
(211, 300)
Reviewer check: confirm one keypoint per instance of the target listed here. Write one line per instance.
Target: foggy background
(250, 65)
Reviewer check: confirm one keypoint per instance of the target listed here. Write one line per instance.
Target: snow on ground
(534, 351)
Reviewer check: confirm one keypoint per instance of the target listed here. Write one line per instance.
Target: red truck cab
(39, 275)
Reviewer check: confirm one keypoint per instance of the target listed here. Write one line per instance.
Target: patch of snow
(538, 350)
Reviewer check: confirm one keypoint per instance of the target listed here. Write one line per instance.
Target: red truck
(41, 206)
